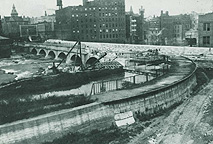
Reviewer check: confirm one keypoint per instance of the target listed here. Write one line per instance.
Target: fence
(116, 84)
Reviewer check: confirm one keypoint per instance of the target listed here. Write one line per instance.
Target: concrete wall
(95, 115)
(152, 101)
(53, 125)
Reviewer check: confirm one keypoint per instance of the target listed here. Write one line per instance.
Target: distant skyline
(35, 8)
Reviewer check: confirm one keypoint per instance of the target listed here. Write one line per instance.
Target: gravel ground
(189, 123)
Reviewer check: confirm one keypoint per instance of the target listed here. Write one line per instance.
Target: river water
(18, 67)
(86, 88)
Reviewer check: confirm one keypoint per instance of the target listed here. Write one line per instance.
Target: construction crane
(55, 68)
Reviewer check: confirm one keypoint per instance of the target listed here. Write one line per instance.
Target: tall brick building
(205, 30)
(98, 20)
(135, 27)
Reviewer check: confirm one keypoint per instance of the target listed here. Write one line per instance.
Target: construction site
(130, 93)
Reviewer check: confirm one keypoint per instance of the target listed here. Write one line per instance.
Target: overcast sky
(152, 7)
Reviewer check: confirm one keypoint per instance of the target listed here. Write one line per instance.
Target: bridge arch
(51, 55)
(62, 55)
(42, 52)
(33, 51)
(91, 60)
(75, 58)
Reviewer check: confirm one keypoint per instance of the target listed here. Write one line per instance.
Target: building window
(206, 27)
(206, 40)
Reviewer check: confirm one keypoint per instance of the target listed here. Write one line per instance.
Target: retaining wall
(96, 115)
(53, 125)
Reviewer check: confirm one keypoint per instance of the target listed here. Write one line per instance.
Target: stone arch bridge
(60, 52)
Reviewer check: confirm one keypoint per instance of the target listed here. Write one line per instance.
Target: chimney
(85, 2)
(161, 12)
(131, 10)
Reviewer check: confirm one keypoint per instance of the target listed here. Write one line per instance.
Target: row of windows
(108, 14)
(107, 8)
(109, 25)
(93, 8)
(81, 9)
(100, 14)
(109, 36)
(111, 19)
(108, 30)
(94, 20)
(101, 31)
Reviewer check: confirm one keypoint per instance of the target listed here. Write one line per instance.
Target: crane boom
(67, 54)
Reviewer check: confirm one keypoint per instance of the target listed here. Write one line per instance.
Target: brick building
(98, 20)
(153, 30)
(168, 30)
(135, 27)
(205, 30)
(174, 28)
(11, 24)
(45, 26)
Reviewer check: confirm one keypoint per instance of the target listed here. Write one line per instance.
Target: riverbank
(148, 128)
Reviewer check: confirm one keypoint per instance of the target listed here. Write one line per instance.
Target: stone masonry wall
(92, 116)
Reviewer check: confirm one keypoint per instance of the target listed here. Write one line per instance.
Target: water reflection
(84, 89)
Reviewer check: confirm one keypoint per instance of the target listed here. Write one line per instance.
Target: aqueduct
(61, 53)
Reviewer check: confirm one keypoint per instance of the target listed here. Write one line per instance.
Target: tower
(131, 10)
(59, 4)
(14, 13)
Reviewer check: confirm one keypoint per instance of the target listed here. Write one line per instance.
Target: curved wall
(96, 115)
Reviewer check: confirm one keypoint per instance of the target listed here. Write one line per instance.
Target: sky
(35, 8)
